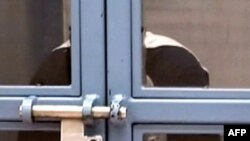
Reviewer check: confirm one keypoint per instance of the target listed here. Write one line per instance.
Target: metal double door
(107, 61)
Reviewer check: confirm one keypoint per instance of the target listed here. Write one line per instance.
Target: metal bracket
(26, 109)
(88, 104)
(116, 108)
(74, 130)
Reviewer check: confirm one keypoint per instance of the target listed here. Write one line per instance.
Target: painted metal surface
(124, 76)
(119, 62)
(93, 73)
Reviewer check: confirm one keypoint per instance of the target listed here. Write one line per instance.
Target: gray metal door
(163, 113)
(87, 62)
(154, 113)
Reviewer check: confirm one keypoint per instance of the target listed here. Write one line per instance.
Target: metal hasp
(73, 115)
(118, 112)
(26, 109)
(73, 130)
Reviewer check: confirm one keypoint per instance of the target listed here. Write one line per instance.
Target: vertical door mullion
(119, 60)
(93, 55)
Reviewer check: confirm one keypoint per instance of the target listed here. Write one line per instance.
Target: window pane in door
(29, 136)
(197, 43)
(38, 136)
(182, 137)
(8, 136)
(30, 34)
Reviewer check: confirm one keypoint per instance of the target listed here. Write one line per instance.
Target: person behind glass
(171, 64)
(168, 64)
(56, 68)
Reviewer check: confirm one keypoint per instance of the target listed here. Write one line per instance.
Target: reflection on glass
(29, 31)
(29, 136)
(197, 43)
(182, 137)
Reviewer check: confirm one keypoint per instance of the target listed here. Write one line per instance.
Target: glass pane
(182, 137)
(29, 136)
(197, 43)
(29, 33)
(8, 136)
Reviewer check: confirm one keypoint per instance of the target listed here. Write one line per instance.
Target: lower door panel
(178, 133)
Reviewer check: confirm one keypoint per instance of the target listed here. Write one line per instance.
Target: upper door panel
(81, 61)
(40, 47)
(137, 38)
(193, 46)
(178, 132)
(214, 32)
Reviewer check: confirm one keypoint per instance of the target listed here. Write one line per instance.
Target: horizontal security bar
(71, 111)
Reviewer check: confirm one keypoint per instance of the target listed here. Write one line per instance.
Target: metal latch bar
(73, 117)
(72, 112)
